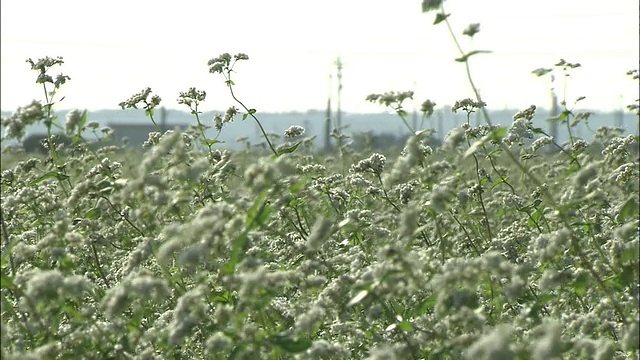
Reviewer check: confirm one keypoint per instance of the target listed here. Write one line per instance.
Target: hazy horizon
(113, 50)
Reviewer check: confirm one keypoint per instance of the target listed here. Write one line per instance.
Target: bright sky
(113, 49)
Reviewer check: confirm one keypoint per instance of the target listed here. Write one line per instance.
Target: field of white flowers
(501, 244)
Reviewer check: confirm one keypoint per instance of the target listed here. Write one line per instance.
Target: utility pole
(327, 123)
(620, 114)
(554, 112)
(338, 113)
(163, 119)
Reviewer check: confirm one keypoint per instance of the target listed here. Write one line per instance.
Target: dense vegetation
(498, 244)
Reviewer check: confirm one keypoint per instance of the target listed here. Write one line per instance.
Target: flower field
(499, 244)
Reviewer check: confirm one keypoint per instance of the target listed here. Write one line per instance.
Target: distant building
(137, 134)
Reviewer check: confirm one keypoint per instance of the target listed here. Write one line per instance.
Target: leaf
(538, 131)
(6, 252)
(50, 175)
(289, 149)
(93, 214)
(208, 143)
(581, 283)
(83, 121)
(256, 216)
(541, 71)
(628, 211)
(466, 57)
(358, 298)
(290, 344)
(535, 217)
(440, 17)
(405, 326)
(6, 281)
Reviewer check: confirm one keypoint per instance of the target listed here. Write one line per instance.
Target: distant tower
(327, 123)
(163, 119)
(338, 111)
(620, 115)
(553, 113)
(440, 127)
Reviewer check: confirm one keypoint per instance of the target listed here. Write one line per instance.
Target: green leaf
(628, 211)
(252, 111)
(535, 217)
(7, 252)
(244, 116)
(83, 121)
(440, 17)
(466, 57)
(358, 298)
(93, 214)
(289, 149)
(6, 281)
(538, 131)
(149, 112)
(405, 326)
(208, 143)
(256, 216)
(581, 283)
(290, 344)
(50, 175)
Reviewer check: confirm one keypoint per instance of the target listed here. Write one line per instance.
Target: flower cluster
(374, 164)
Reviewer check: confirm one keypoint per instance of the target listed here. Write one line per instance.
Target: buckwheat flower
(374, 191)
(494, 346)
(306, 322)
(631, 336)
(408, 223)
(139, 255)
(392, 351)
(218, 343)
(471, 29)
(427, 108)
(579, 145)
(374, 164)
(229, 114)
(294, 131)
(454, 138)
(541, 142)
(321, 231)
(585, 175)
(406, 190)
(142, 285)
(550, 345)
(311, 168)
(377, 163)
(467, 105)
(44, 285)
(187, 314)
(552, 279)
(252, 281)
(107, 131)
(73, 121)
(624, 173)
(15, 125)
(322, 349)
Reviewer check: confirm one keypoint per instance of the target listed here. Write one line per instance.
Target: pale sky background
(113, 49)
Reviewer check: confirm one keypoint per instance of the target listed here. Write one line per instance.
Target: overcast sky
(113, 49)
